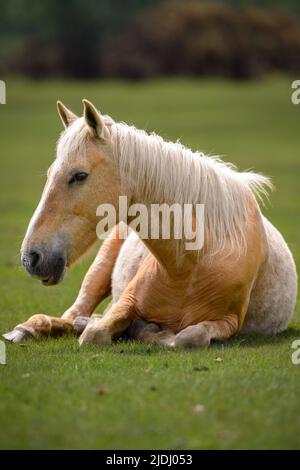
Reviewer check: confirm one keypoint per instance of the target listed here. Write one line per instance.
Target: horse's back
(273, 297)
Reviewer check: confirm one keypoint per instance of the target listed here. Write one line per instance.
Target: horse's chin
(54, 279)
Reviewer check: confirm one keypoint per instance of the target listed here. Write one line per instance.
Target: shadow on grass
(256, 341)
(130, 347)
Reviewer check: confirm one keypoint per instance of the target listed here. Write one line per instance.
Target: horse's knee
(40, 321)
(37, 325)
(95, 334)
(44, 325)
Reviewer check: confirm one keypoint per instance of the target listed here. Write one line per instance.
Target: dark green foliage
(91, 38)
(201, 39)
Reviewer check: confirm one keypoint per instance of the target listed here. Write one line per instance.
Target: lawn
(55, 395)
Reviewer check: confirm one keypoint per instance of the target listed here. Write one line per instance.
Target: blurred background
(215, 75)
(148, 38)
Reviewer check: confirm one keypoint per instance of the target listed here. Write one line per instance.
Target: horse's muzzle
(47, 267)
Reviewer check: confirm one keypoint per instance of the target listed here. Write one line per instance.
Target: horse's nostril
(34, 258)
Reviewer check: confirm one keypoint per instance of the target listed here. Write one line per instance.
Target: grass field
(51, 392)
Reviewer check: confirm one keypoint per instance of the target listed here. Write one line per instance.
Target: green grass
(49, 391)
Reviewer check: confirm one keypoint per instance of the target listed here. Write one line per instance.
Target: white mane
(156, 171)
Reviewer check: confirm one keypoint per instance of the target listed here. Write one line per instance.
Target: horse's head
(82, 176)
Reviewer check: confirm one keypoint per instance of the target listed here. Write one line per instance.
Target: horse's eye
(80, 176)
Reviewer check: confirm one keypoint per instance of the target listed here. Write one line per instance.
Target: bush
(204, 39)
(37, 60)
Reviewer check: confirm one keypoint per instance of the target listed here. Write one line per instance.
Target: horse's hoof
(80, 324)
(18, 335)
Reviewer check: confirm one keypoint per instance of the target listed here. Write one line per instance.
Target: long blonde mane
(157, 171)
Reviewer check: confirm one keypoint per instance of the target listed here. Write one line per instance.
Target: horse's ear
(95, 121)
(65, 114)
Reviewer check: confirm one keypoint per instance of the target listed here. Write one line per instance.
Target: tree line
(147, 38)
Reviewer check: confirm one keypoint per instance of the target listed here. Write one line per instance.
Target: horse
(242, 281)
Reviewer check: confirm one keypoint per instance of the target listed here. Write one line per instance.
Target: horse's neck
(168, 252)
(155, 172)
(150, 184)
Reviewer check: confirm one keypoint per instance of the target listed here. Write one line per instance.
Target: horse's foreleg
(37, 326)
(103, 329)
(95, 287)
(81, 322)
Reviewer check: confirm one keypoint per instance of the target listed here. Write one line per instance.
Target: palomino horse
(242, 280)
